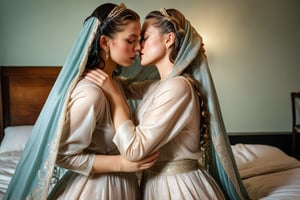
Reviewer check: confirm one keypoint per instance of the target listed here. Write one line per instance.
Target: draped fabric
(34, 172)
(37, 163)
(221, 164)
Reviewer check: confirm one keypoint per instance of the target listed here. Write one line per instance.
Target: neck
(164, 69)
(109, 67)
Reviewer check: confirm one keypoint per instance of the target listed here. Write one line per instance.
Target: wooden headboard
(23, 92)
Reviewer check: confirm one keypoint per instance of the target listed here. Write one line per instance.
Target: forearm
(80, 163)
(119, 107)
(117, 163)
(106, 164)
(133, 143)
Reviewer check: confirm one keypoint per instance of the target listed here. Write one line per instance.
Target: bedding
(11, 148)
(9, 161)
(15, 138)
(267, 172)
(23, 92)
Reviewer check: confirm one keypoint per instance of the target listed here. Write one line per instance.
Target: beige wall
(252, 46)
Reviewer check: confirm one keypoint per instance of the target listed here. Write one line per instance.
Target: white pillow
(256, 159)
(15, 138)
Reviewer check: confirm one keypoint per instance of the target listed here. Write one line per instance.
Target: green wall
(252, 47)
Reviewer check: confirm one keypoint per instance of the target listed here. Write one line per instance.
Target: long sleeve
(165, 115)
(85, 108)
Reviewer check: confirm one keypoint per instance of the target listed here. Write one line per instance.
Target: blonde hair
(172, 20)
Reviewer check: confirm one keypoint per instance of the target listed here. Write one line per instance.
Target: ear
(170, 39)
(104, 41)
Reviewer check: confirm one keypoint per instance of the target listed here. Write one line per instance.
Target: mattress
(11, 149)
(267, 172)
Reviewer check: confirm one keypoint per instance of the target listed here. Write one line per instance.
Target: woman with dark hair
(172, 116)
(75, 128)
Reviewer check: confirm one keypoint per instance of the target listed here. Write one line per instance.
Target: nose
(137, 47)
(142, 43)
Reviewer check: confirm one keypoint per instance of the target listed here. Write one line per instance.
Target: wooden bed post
(1, 109)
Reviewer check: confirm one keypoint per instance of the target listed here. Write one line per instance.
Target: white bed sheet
(11, 148)
(9, 161)
(267, 172)
(15, 138)
(284, 185)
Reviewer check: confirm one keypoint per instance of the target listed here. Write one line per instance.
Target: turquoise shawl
(37, 163)
(34, 172)
(222, 165)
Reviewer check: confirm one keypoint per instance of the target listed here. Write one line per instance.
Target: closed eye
(131, 41)
(143, 39)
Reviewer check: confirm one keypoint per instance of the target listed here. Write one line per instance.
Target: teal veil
(222, 165)
(36, 168)
(34, 173)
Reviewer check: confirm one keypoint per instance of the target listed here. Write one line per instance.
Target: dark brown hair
(108, 27)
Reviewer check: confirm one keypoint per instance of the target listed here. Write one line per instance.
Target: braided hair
(172, 20)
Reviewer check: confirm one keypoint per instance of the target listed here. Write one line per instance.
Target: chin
(145, 64)
(126, 64)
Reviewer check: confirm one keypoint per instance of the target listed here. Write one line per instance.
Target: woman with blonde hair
(172, 116)
(75, 129)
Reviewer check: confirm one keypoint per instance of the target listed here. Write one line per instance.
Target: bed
(23, 91)
(266, 171)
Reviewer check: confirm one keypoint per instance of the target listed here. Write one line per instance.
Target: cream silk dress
(89, 131)
(167, 120)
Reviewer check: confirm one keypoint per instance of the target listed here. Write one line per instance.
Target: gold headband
(116, 11)
(164, 12)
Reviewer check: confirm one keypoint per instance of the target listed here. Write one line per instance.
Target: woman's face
(152, 44)
(124, 46)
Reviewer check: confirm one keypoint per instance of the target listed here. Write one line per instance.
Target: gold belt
(174, 167)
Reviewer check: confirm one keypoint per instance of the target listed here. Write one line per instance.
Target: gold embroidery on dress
(45, 174)
(41, 190)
